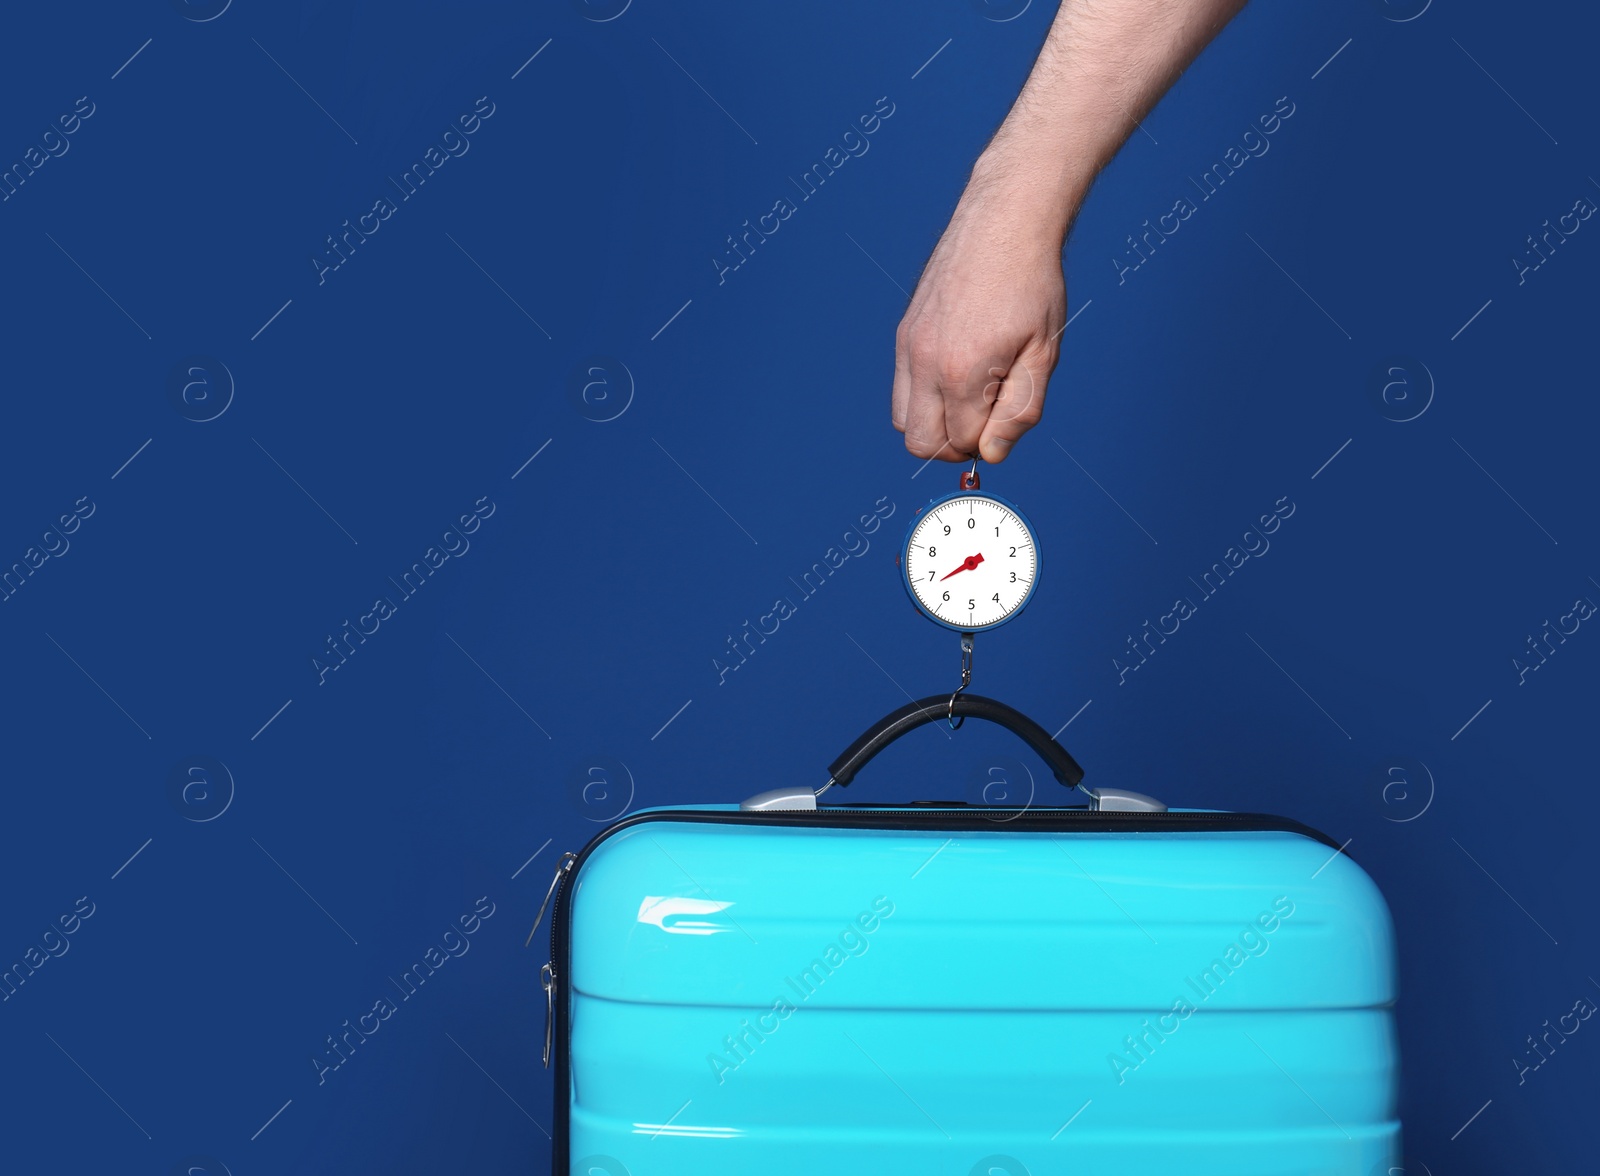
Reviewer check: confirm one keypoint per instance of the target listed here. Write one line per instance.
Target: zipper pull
(562, 866)
(547, 981)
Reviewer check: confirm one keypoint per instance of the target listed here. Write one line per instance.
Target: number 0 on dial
(970, 561)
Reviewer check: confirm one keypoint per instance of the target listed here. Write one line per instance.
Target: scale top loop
(969, 479)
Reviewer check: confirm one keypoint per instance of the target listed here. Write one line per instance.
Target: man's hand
(982, 334)
(981, 337)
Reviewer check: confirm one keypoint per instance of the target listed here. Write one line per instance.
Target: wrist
(1035, 196)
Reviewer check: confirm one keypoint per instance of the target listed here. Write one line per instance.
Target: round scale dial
(970, 561)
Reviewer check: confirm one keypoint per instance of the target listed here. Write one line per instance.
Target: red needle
(967, 564)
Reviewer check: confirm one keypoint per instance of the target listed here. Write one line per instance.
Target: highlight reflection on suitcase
(1109, 988)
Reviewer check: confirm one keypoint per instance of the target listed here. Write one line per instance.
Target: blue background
(579, 631)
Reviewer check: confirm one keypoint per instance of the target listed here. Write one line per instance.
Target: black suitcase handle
(940, 707)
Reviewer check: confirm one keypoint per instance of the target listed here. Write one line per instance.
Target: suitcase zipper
(976, 818)
(547, 974)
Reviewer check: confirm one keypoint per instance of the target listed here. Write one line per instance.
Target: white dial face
(970, 561)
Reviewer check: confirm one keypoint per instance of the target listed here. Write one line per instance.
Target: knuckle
(925, 344)
(957, 368)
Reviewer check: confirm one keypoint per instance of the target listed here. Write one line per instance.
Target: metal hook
(969, 480)
(966, 680)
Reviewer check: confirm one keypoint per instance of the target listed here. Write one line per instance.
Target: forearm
(1103, 66)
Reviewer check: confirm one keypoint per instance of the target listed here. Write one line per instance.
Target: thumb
(1019, 406)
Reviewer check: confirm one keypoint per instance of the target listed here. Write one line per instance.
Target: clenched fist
(978, 343)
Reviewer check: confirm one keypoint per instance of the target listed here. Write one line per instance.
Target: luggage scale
(998, 569)
(969, 562)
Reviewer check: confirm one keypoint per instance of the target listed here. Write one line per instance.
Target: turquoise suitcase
(786, 988)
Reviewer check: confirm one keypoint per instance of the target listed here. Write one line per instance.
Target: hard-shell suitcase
(784, 988)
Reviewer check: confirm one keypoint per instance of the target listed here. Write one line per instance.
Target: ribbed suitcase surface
(1128, 993)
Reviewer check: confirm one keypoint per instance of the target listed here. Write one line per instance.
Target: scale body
(970, 560)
